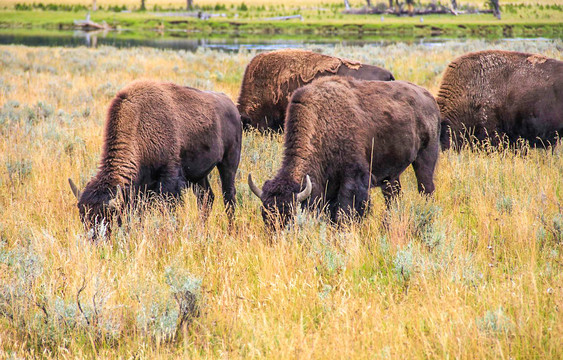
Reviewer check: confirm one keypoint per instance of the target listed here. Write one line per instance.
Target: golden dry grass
(475, 272)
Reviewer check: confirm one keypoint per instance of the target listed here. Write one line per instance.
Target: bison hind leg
(227, 171)
(204, 195)
(424, 166)
(391, 188)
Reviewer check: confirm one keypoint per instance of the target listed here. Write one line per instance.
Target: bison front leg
(172, 182)
(205, 196)
(352, 199)
(391, 188)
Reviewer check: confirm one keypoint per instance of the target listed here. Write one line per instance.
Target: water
(193, 41)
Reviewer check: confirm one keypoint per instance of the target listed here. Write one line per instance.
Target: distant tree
(143, 8)
(189, 4)
(347, 4)
(454, 4)
(94, 5)
(410, 7)
(369, 3)
(496, 8)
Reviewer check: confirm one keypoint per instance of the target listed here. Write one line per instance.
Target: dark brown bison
(490, 94)
(271, 78)
(344, 136)
(161, 137)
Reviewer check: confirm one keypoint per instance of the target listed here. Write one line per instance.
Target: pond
(193, 41)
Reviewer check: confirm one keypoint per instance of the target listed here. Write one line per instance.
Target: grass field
(475, 272)
(256, 3)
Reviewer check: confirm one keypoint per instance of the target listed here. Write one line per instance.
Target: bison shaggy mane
(271, 78)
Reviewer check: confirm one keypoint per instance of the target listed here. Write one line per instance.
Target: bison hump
(273, 70)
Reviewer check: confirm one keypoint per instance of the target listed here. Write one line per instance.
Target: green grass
(474, 272)
(517, 20)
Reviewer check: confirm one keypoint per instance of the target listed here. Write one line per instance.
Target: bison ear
(303, 195)
(255, 189)
(74, 189)
(117, 201)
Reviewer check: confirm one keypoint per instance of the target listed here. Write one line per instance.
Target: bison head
(278, 199)
(97, 208)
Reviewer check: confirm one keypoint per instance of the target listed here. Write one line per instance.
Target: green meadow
(518, 19)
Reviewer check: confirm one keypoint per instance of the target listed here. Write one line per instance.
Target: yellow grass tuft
(474, 272)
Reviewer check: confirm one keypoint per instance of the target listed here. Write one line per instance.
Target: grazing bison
(344, 136)
(160, 137)
(502, 92)
(270, 79)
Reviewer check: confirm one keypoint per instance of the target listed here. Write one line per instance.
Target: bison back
(271, 78)
(501, 92)
(338, 122)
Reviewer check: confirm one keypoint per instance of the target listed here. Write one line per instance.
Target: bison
(492, 94)
(344, 136)
(270, 79)
(162, 137)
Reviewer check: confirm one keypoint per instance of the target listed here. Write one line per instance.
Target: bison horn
(255, 189)
(74, 189)
(303, 195)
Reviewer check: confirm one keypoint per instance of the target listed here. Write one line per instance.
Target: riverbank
(194, 42)
(517, 21)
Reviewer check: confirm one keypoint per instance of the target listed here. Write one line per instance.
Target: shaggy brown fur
(162, 137)
(502, 92)
(271, 78)
(350, 135)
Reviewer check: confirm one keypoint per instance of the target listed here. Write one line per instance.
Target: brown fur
(162, 137)
(502, 92)
(349, 135)
(271, 78)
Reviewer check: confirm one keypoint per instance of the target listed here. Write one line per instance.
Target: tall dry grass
(474, 272)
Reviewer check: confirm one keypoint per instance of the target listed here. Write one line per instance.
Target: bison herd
(348, 127)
